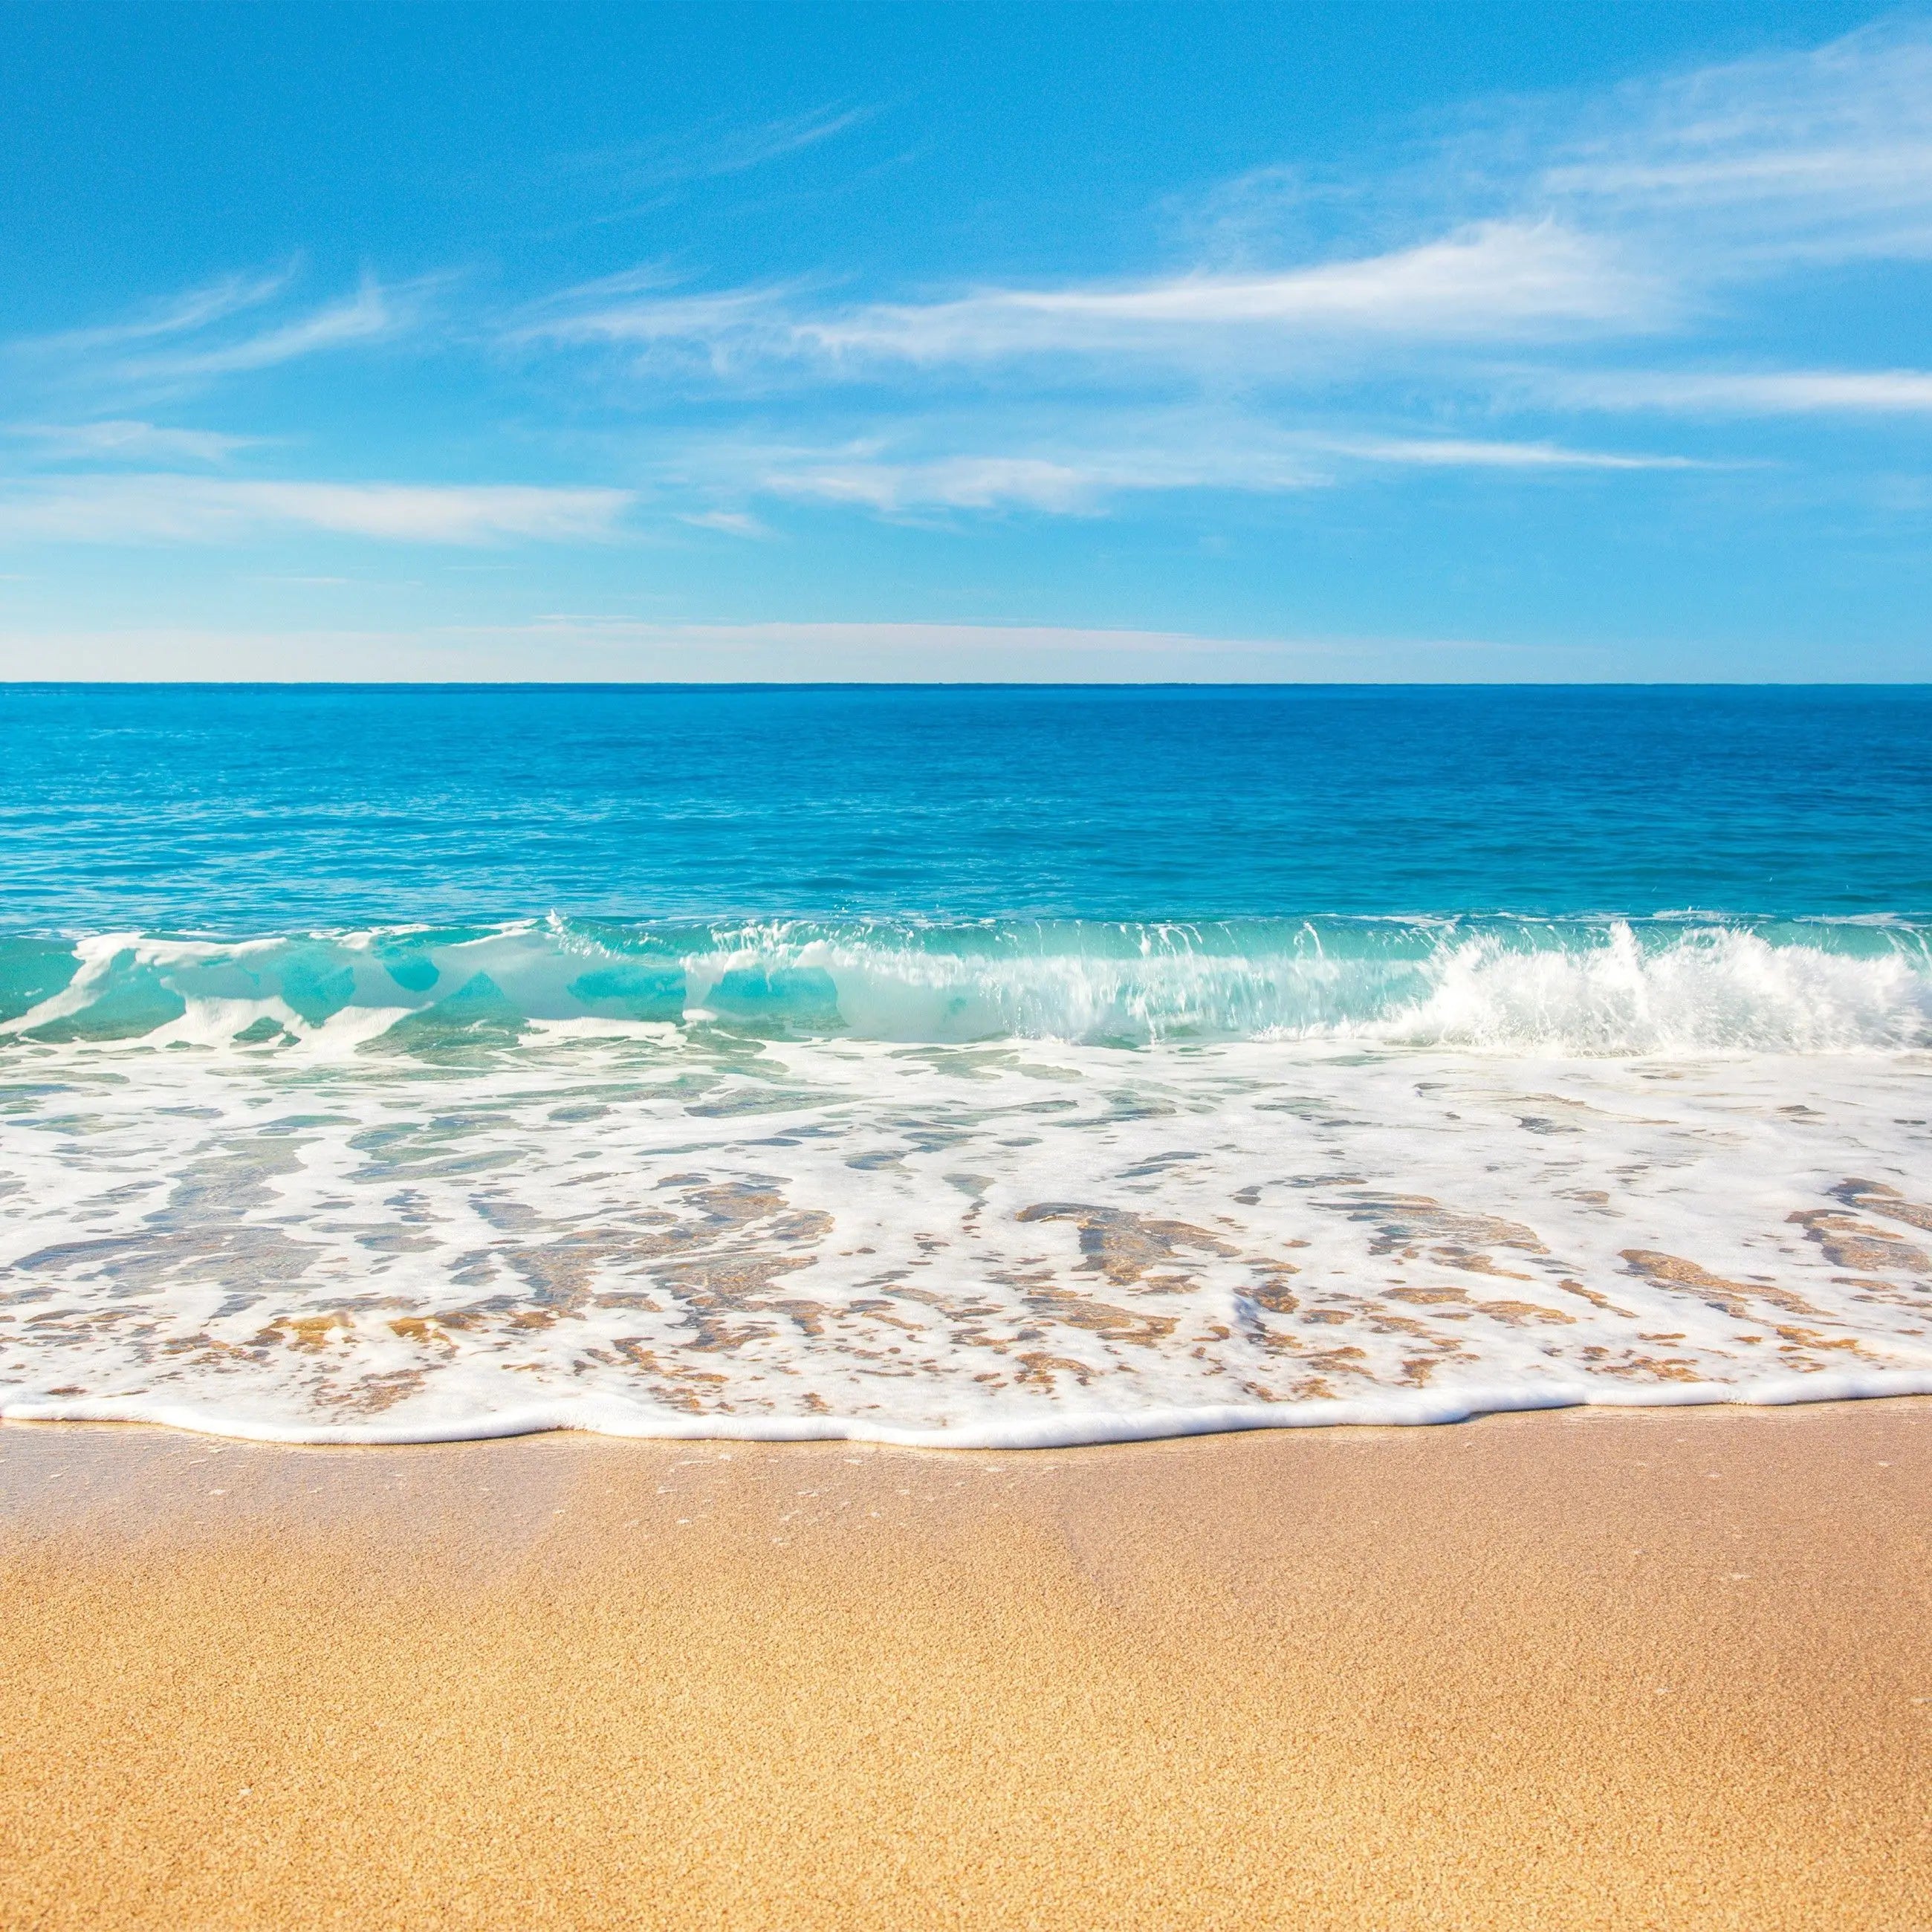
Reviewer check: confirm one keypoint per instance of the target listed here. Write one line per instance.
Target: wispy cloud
(118, 440)
(1492, 281)
(1174, 454)
(371, 314)
(637, 177)
(732, 522)
(1821, 154)
(620, 648)
(736, 150)
(1874, 392)
(1077, 485)
(174, 509)
(192, 339)
(711, 152)
(635, 309)
(1616, 215)
(1452, 452)
(193, 309)
(1505, 285)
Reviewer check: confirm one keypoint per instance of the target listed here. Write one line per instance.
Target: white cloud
(1496, 280)
(620, 649)
(1615, 214)
(708, 153)
(368, 316)
(193, 309)
(628, 310)
(1159, 455)
(801, 641)
(128, 441)
(958, 482)
(732, 522)
(731, 151)
(1821, 155)
(1772, 392)
(1564, 226)
(145, 509)
(1449, 452)
(192, 338)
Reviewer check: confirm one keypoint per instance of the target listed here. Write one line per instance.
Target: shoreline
(608, 1421)
(1576, 1667)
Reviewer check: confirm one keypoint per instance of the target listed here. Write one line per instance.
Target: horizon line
(1176, 685)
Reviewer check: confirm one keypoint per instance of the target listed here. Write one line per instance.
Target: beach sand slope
(1620, 1669)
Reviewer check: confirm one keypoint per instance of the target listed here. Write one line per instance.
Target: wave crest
(1610, 987)
(1715, 990)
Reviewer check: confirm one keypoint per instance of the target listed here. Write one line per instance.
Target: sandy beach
(1629, 1668)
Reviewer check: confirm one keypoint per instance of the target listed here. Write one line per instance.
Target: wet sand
(1668, 1669)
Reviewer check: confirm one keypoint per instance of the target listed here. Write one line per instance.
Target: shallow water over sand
(656, 1230)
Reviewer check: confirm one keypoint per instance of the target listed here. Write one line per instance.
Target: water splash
(1597, 987)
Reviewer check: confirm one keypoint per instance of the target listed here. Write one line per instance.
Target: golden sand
(1668, 1668)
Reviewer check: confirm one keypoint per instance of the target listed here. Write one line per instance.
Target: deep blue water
(260, 809)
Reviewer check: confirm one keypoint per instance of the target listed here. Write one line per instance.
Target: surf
(1677, 985)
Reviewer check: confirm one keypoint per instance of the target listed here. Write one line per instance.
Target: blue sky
(1073, 341)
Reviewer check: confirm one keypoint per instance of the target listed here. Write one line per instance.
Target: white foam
(642, 1230)
(1712, 990)
(1501, 986)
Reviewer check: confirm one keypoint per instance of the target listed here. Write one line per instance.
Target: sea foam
(342, 1229)
(1573, 987)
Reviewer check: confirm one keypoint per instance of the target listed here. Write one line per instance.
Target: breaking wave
(1670, 985)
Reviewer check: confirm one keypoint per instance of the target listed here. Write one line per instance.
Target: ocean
(959, 1066)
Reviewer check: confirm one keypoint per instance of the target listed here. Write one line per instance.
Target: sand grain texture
(1629, 1668)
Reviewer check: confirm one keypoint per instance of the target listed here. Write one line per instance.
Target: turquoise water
(269, 808)
(958, 1066)
(957, 863)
